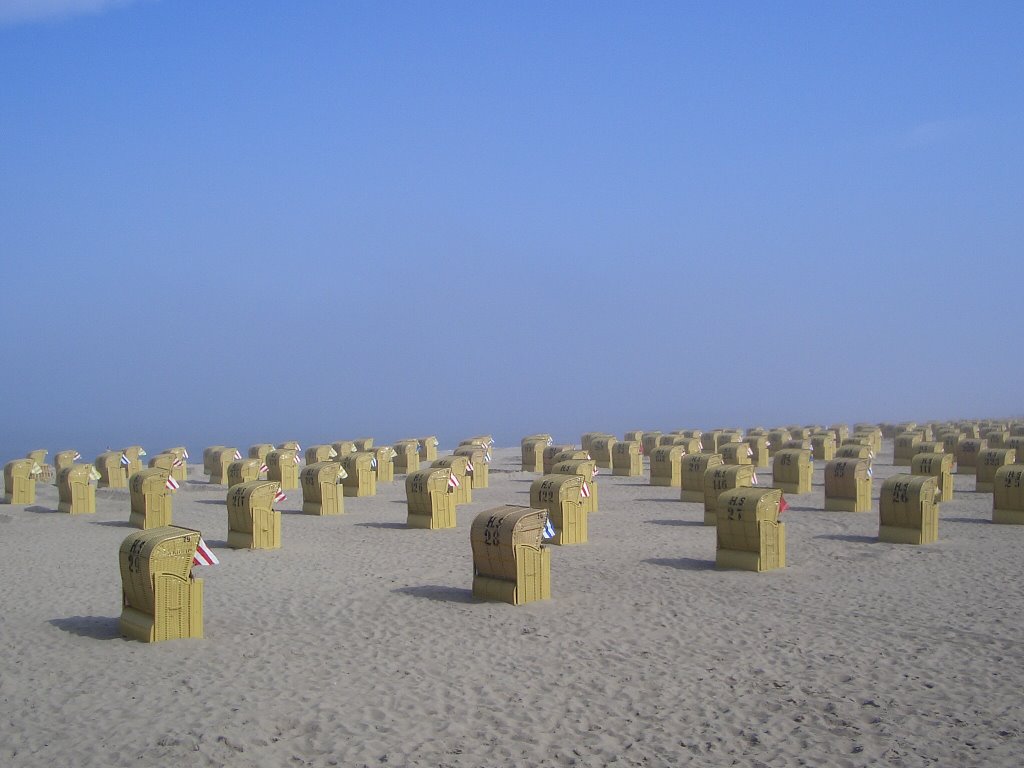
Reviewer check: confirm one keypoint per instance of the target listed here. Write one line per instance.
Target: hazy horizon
(230, 224)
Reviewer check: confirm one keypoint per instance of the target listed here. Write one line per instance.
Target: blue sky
(238, 222)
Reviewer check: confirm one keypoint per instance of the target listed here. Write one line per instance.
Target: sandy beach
(359, 642)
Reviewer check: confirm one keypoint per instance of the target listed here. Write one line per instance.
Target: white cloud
(21, 11)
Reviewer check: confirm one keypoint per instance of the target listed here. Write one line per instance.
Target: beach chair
(510, 563)
(848, 484)
(428, 448)
(989, 461)
(792, 470)
(218, 461)
(627, 460)
(253, 523)
(722, 478)
(20, 481)
(407, 456)
(76, 489)
(748, 534)
(283, 468)
(322, 492)
(151, 498)
(1008, 495)
(245, 471)
(479, 459)
(939, 466)
(692, 471)
(160, 598)
(430, 498)
(907, 510)
(823, 445)
(667, 465)
(112, 471)
(562, 497)
(361, 474)
(586, 469)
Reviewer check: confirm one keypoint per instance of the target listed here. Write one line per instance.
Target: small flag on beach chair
(585, 490)
(279, 497)
(264, 469)
(204, 555)
(453, 481)
(238, 456)
(783, 506)
(171, 484)
(373, 462)
(549, 529)
(469, 466)
(77, 455)
(296, 457)
(176, 463)
(754, 480)
(184, 453)
(125, 461)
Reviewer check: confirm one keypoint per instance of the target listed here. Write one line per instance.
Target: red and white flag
(754, 480)
(783, 506)
(238, 456)
(176, 463)
(453, 481)
(585, 490)
(184, 453)
(593, 473)
(279, 496)
(296, 457)
(204, 555)
(469, 466)
(171, 484)
(264, 468)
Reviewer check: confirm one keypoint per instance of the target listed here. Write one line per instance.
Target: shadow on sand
(439, 592)
(683, 563)
(96, 627)
(854, 537)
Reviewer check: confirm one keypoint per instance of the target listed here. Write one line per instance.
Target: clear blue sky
(236, 222)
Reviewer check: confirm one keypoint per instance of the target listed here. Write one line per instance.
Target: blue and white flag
(549, 529)
(125, 461)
